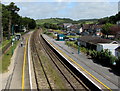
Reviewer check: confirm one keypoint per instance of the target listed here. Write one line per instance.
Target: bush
(118, 63)
(93, 54)
(103, 56)
(83, 49)
(112, 59)
(71, 43)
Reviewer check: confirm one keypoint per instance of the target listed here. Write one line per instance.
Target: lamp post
(13, 39)
(78, 47)
(79, 43)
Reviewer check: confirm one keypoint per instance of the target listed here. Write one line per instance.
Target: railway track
(103, 75)
(42, 75)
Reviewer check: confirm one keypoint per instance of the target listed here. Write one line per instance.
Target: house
(72, 28)
(117, 52)
(90, 42)
(110, 46)
(66, 25)
(92, 29)
(79, 29)
(115, 31)
(98, 43)
(86, 29)
(118, 22)
(97, 30)
(75, 28)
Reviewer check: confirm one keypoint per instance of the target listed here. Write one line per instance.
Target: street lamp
(78, 47)
(13, 39)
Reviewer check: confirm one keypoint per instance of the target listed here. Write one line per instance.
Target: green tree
(28, 23)
(106, 29)
(11, 19)
(10, 16)
(5, 20)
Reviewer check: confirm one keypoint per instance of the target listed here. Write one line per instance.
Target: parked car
(72, 39)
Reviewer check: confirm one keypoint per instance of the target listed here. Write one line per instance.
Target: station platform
(95, 72)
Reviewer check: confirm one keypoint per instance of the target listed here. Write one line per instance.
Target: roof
(115, 29)
(86, 26)
(73, 27)
(118, 49)
(92, 26)
(94, 40)
(97, 26)
(67, 24)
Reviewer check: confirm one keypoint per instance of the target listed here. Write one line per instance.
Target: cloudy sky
(74, 9)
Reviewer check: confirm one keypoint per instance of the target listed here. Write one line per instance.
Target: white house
(110, 46)
(117, 52)
(80, 30)
(98, 44)
(66, 25)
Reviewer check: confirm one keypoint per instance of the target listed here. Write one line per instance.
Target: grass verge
(53, 74)
(6, 58)
(4, 43)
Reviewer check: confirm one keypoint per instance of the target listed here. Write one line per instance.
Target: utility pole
(13, 39)
(78, 47)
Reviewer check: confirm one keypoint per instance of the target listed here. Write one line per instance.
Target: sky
(74, 9)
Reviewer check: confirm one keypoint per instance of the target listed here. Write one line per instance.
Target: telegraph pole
(78, 47)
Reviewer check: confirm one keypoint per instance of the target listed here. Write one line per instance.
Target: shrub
(71, 43)
(112, 59)
(94, 54)
(89, 52)
(83, 49)
(103, 56)
(118, 63)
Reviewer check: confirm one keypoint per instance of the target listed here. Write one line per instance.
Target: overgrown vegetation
(71, 43)
(103, 57)
(4, 43)
(6, 58)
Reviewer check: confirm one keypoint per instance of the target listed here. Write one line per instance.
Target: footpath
(12, 79)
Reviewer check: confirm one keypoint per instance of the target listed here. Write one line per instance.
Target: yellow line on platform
(80, 66)
(23, 68)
